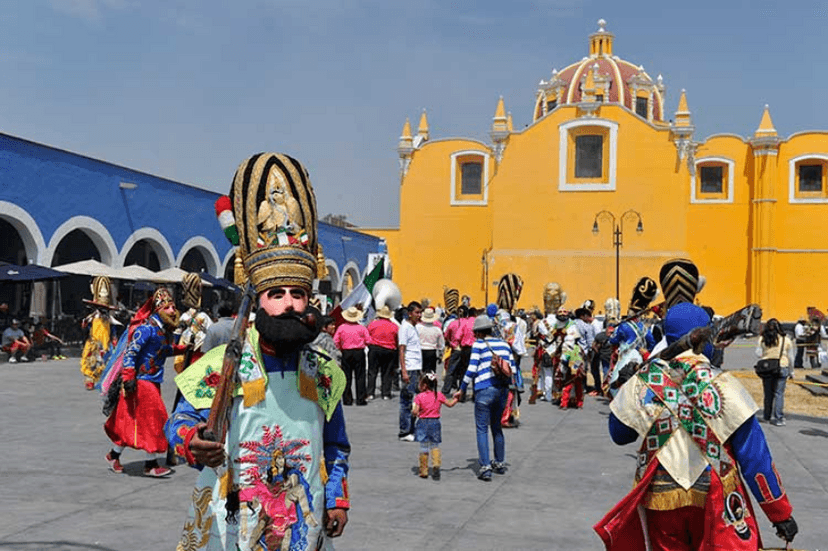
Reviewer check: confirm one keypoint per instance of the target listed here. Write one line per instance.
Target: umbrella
(29, 272)
(218, 282)
(89, 268)
(175, 275)
(138, 273)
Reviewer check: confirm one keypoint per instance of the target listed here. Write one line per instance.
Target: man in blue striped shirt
(490, 393)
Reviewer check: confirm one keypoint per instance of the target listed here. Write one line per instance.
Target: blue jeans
(407, 394)
(488, 408)
(774, 395)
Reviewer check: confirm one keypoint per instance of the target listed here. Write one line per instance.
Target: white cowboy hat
(429, 315)
(385, 313)
(352, 314)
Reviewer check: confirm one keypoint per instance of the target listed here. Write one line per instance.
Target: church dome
(603, 78)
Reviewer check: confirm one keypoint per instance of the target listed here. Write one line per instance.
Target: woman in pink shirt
(428, 431)
(351, 338)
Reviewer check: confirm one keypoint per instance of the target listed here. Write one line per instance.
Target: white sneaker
(12, 360)
(407, 438)
(24, 359)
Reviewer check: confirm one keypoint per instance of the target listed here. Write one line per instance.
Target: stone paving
(564, 474)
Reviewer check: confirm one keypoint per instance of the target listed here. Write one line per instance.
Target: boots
(534, 396)
(436, 463)
(423, 465)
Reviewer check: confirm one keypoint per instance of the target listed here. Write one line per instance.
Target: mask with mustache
(288, 332)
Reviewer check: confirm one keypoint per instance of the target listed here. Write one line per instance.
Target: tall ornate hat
(553, 298)
(680, 281)
(161, 298)
(643, 294)
(508, 291)
(589, 304)
(451, 298)
(101, 290)
(192, 290)
(612, 310)
(274, 207)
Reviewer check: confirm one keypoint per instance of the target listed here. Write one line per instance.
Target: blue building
(58, 207)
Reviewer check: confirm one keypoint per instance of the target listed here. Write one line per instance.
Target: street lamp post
(618, 238)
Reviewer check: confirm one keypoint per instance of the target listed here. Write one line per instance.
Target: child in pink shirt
(426, 407)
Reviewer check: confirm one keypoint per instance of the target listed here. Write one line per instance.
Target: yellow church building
(601, 157)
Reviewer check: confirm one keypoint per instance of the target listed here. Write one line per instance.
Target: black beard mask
(288, 332)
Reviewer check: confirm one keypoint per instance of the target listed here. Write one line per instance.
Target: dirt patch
(797, 399)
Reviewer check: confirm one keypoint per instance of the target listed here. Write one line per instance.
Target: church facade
(602, 188)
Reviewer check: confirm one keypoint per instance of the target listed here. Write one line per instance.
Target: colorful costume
(285, 475)
(631, 337)
(97, 347)
(700, 439)
(287, 450)
(137, 421)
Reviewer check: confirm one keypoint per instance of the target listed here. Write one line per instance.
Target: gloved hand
(786, 529)
(128, 379)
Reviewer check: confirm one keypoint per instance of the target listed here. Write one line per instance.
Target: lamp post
(618, 237)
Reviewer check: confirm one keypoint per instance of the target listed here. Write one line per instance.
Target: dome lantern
(600, 42)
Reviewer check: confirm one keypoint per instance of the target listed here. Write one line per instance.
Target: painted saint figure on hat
(279, 478)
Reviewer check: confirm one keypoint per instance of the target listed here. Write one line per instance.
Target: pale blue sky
(186, 89)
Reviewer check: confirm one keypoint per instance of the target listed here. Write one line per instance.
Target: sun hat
(352, 314)
(385, 312)
(429, 315)
(482, 323)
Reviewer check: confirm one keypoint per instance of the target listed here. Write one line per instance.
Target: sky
(187, 89)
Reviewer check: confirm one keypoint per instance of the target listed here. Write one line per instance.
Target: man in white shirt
(411, 363)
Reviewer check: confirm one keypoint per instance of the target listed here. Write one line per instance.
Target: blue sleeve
(650, 340)
(618, 336)
(750, 449)
(619, 432)
(337, 450)
(178, 427)
(139, 338)
(471, 372)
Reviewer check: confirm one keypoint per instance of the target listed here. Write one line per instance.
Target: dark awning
(218, 282)
(30, 272)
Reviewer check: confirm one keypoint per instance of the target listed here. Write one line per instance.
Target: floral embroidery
(274, 483)
(206, 387)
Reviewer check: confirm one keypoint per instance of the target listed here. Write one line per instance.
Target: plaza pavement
(564, 474)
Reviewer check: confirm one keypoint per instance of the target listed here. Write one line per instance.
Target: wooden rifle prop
(719, 333)
(219, 418)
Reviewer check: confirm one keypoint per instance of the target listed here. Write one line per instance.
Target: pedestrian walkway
(564, 474)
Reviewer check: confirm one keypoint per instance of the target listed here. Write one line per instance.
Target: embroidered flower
(212, 380)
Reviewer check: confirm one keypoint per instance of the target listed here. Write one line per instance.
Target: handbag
(769, 368)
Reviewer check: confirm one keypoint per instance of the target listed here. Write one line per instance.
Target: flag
(361, 295)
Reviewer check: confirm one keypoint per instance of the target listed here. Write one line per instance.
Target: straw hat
(352, 314)
(429, 315)
(385, 313)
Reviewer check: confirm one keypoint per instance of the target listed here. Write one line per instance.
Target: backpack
(500, 367)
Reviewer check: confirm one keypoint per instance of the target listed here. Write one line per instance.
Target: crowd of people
(274, 456)
(25, 342)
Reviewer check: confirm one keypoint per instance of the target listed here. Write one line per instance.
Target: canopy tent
(88, 267)
(139, 273)
(29, 272)
(219, 282)
(176, 275)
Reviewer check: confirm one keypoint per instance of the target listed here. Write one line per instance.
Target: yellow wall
(752, 245)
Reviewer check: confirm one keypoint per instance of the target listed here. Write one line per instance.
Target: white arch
(29, 232)
(157, 241)
(93, 229)
(229, 258)
(351, 267)
(333, 274)
(208, 252)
